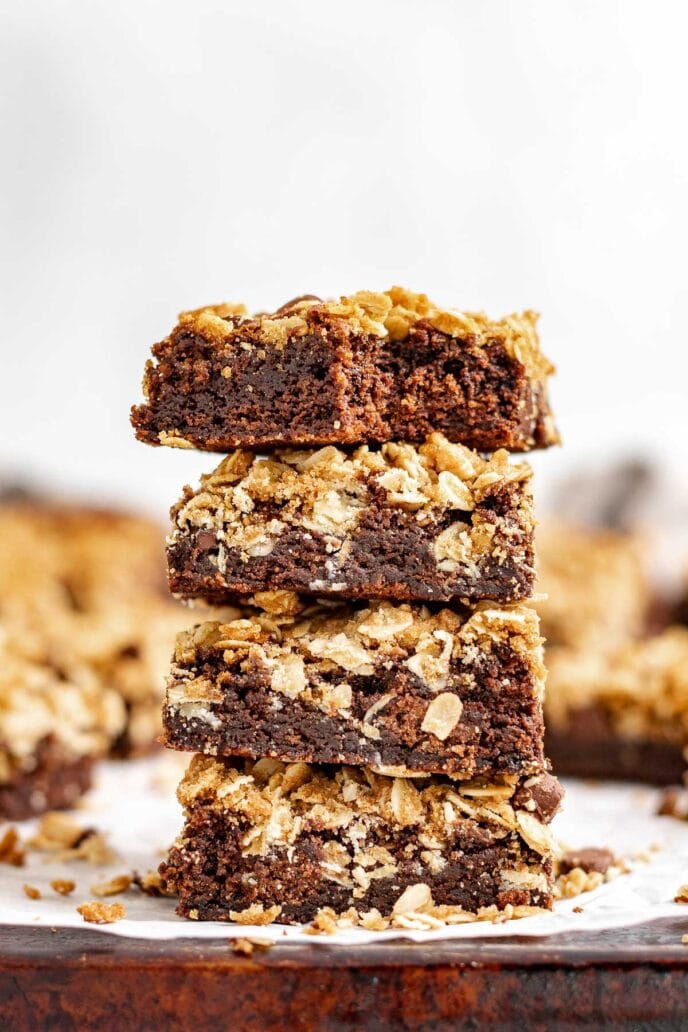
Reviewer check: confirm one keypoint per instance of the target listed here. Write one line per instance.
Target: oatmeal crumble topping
(389, 314)
(327, 492)
(310, 657)
(281, 801)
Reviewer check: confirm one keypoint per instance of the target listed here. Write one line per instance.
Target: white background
(500, 155)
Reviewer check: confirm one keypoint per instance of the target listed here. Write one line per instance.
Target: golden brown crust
(386, 314)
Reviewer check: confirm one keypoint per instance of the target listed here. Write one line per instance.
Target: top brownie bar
(370, 367)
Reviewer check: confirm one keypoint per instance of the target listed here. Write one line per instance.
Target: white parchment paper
(135, 806)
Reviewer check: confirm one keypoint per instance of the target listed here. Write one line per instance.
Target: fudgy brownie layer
(589, 747)
(434, 523)
(53, 782)
(372, 367)
(301, 838)
(385, 686)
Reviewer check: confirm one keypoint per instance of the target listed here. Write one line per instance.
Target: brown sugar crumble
(96, 912)
(31, 891)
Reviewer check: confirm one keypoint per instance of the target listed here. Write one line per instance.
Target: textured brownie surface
(595, 587)
(371, 367)
(432, 523)
(634, 701)
(52, 780)
(387, 686)
(298, 838)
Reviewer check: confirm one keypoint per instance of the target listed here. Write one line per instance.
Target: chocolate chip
(590, 859)
(547, 795)
(205, 539)
(297, 300)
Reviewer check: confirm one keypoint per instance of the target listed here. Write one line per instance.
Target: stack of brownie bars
(368, 731)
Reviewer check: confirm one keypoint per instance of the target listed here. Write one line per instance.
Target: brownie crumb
(589, 859)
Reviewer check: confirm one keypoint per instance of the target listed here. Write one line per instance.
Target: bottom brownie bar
(288, 840)
(622, 715)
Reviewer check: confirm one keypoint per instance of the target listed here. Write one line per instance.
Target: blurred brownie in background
(84, 611)
(622, 714)
(616, 700)
(596, 588)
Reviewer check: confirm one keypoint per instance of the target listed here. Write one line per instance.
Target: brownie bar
(83, 594)
(588, 746)
(595, 591)
(51, 729)
(386, 686)
(371, 367)
(298, 838)
(433, 523)
(51, 780)
(620, 715)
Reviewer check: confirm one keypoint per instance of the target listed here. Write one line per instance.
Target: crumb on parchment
(62, 886)
(96, 912)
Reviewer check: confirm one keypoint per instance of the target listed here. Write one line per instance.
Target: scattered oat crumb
(60, 835)
(120, 883)
(150, 883)
(582, 870)
(55, 831)
(11, 848)
(682, 895)
(32, 892)
(256, 914)
(63, 886)
(101, 913)
(578, 910)
(248, 946)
